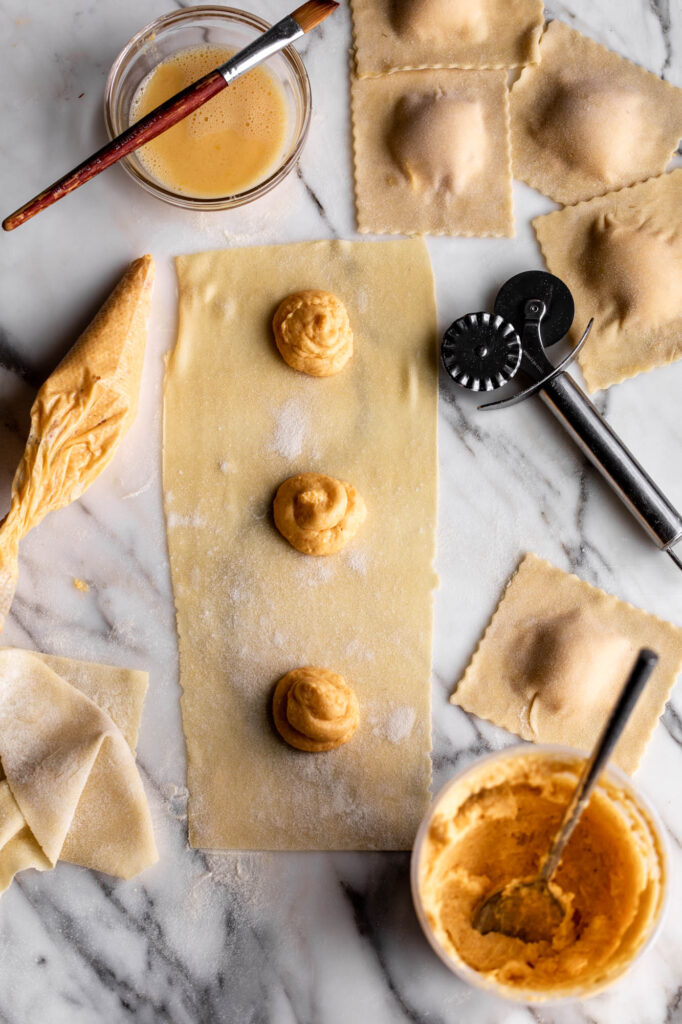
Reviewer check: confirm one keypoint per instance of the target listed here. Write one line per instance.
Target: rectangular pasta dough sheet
(237, 422)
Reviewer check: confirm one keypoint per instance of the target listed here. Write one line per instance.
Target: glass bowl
(197, 26)
(645, 812)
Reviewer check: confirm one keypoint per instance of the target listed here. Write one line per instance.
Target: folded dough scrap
(71, 789)
(79, 415)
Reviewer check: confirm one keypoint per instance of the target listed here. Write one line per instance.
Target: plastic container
(478, 980)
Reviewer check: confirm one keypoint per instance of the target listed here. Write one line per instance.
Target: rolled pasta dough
(249, 606)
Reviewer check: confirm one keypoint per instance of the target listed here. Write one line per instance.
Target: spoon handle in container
(636, 681)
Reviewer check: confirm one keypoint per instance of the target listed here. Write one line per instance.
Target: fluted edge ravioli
(404, 35)
(621, 256)
(404, 186)
(510, 671)
(585, 121)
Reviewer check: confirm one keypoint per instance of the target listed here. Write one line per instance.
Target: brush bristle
(310, 14)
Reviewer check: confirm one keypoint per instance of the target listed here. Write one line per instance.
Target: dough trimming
(69, 787)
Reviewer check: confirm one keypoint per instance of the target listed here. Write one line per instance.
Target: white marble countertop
(283, 938)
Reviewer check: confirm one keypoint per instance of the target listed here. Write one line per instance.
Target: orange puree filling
(495, 827)
(229, 144)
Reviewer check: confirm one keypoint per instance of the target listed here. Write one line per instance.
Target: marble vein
(296, 939)
(13, 361)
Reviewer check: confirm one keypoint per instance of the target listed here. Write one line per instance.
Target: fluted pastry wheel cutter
(484, 351)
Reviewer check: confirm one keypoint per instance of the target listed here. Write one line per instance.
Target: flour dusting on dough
(292, 427)
(173, 520)
(356, 559)
(394, 725)
(400, 723)
(313, 572)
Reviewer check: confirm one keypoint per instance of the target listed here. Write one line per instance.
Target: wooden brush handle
(155, 122)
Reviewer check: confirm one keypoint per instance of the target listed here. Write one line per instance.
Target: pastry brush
(163, 117)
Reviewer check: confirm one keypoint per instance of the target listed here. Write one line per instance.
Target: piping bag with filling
(79, 416)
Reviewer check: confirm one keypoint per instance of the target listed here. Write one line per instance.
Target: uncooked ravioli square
(401, 35)
(586, 121)
(554, 659)
(432, 153)
(621, 256)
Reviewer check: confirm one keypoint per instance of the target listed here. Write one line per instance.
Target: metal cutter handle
(615, 462)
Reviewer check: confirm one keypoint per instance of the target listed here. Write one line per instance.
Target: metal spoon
(529, 910)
